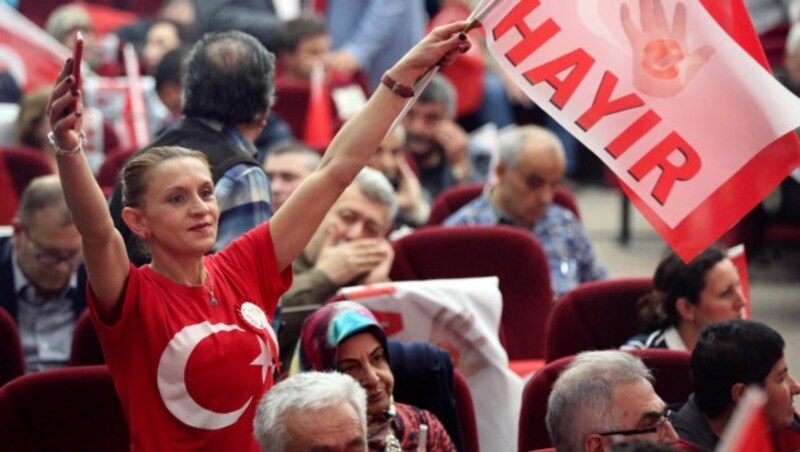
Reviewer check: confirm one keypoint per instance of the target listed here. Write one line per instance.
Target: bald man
(531, 164)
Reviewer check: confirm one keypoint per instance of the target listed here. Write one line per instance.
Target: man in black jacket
(228, 90)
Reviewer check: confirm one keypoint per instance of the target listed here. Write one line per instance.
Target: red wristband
(397, 88)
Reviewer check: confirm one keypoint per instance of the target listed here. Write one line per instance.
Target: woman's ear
(685, 309)
(135, 221)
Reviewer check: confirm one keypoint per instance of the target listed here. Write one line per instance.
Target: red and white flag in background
(33, 57)
(672, 95)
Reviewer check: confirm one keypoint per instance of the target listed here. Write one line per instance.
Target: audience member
(31, 128)
(729, 357)
(530, 166)
(254, 17)
(304, 43)
(38, 275)
(686, 297)
(168, 77)
(346, 337)
(603, 397)
(222, 123)
(151, 319)
(9, 88)
(441, 148)
(412, 207)
(64, 21)
(313, 411)
(162, 36)
(287, 165)
(348, 248)
(370, 35)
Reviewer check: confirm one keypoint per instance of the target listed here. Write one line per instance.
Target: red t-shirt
(189, 374)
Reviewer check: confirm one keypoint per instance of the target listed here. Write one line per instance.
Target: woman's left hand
(440, 47)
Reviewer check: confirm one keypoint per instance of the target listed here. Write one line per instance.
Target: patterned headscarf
(324, 330)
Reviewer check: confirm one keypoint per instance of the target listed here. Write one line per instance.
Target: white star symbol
(262, 359)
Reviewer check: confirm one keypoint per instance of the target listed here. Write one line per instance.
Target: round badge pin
(253, 315)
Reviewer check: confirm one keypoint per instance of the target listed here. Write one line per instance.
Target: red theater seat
(18, 166)
(672, 383)
(12, 359)
(594, 316)
(71, 409)
(86, 349)
(512, 255)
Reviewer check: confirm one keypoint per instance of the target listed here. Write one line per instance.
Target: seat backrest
(423, 377)
(70, 409)
(466, 413)
(109, 170)
(11, 355)
(511, 254)
(18, 167)
(86, 349)
(670, 370)
(594, 316)
(454, 198)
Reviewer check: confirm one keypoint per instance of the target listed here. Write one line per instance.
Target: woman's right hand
(65, 109)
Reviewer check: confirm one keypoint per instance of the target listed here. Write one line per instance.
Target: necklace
(210, 288)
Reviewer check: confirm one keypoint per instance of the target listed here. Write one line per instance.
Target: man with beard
(441, 148)
(412, 205)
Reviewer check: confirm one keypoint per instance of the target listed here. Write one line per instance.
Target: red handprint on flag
(662, 63)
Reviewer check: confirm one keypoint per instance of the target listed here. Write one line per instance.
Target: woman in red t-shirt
(187, 337)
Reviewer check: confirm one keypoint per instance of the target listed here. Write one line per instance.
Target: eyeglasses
(49, 256)
(657, 427)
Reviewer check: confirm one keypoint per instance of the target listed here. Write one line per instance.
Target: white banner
(461, 316)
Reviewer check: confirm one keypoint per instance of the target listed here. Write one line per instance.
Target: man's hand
(409, 190)
(455, 142)
(381, 271)
(662, 63)
(346, 261)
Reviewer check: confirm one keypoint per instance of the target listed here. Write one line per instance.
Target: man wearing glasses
(38, 281)
(603, 397)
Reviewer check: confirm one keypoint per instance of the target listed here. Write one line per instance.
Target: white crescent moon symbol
(172, 379)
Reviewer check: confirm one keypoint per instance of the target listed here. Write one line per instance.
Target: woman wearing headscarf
(346, 337)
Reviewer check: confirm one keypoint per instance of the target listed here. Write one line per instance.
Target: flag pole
(474, 18)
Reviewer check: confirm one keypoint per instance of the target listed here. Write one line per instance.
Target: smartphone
(77, 54)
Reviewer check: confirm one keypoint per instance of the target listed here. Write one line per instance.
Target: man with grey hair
(603, 397)
(349, 248)
(287, 165)
(441, 148)
(313, 411)
(530, 165)
(38, 274)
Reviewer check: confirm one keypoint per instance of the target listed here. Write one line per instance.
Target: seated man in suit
(349, 248)
(38, 275)
(531, 164)
(604, 397)
(729, 357)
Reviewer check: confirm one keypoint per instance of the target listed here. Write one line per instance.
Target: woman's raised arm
(295, 223)
(104, 252)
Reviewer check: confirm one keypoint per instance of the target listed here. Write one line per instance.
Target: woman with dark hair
(686, 297)
(345, 337)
